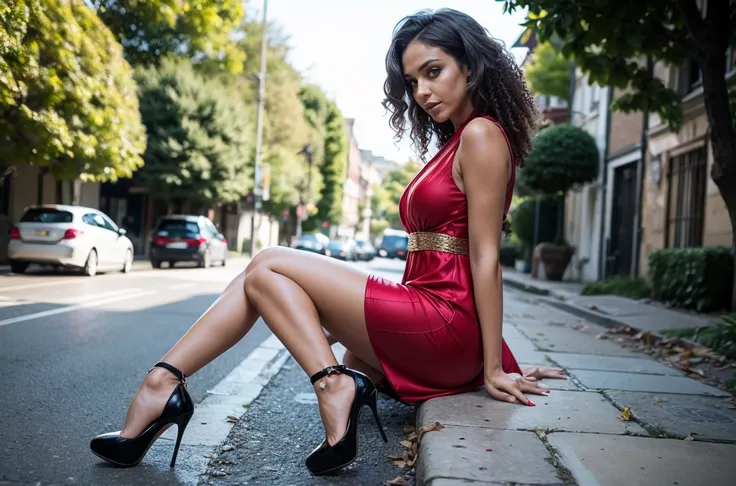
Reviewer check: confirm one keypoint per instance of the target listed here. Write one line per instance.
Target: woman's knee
(263, 257)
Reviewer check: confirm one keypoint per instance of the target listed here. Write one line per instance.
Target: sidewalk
(621, 419)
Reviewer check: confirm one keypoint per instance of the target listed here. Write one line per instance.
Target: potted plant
(562, 157)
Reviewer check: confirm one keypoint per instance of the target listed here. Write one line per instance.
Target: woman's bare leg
(293, 291)
(298, 294)
(225, 323)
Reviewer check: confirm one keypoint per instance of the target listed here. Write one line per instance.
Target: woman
(439, 332)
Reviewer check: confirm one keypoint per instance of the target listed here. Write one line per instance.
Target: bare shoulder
(481, 142)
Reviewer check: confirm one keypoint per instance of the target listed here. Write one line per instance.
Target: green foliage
(605, 38)
(334, 167)
(151, 29)
(522, 218)
(329, 143)
(508, 253)
(692, 278)
(621, 285)
(548, 72)
(394, 184)
(67, 97)
(199, 136)
(720, 337)
(562, 156)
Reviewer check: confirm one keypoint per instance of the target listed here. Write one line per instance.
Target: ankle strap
(327, 372)
(179, 375)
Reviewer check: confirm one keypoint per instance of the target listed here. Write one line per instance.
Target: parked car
(187, 238)
(315, 243)
(69, 237)
(342, 250)
(394, 244)
(366, 251)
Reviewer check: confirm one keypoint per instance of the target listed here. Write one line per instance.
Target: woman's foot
(148, 402)
(335, 402)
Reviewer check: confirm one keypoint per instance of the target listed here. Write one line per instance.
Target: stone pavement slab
(525, 355)
(571, 341)
(568, 384)
(484, 455)
(625, 364)
(706, 418)
(608, 460)
(612, 380)
(562, 410)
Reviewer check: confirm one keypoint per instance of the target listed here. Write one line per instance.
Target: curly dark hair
(496, 84)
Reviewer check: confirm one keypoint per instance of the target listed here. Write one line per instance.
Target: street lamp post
(259, 132)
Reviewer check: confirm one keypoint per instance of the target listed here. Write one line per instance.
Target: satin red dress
(425, 331)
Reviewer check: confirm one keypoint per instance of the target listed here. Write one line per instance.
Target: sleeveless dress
(425, 331)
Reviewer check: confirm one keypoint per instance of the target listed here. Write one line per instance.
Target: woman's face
(438, 83)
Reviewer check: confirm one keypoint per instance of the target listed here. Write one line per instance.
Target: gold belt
(438, 242)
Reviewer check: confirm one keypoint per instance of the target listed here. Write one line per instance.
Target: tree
(150, 30)
(394, 183)
(200, 136)
(67, 97)
(562, 157)
(608, 38)
(329, 145)
(329, 207)
(548, 72)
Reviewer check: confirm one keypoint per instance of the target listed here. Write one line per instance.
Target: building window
(686, 205)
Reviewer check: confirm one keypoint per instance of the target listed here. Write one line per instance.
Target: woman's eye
(433, 72)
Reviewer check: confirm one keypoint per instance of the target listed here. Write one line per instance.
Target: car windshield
(177, 227)
(46, 215)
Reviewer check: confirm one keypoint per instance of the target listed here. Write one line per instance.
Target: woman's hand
(511, 387)
(536, 373)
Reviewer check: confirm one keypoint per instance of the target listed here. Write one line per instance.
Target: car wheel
(205, 261)
(156, 263)
(224, 259)
(128, 262)
(18, 267)
(90, 266)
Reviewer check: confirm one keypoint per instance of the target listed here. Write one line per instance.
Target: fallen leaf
(429, 428)
(412, 436)
(658, 400)
(540, 334)
(412, 461)
(408, 429)
(625, 414)
(489, 450)
(400, 464)
(232, 419)
(397, 458)
(414, 448)
(689, 437)
(458, 446)
(406, 443)
(398, 480)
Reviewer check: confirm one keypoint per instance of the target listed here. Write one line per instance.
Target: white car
(69, 236)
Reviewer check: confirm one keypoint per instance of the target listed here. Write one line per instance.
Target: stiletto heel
(326, 458)
(374, 408)
(181, 425)
(127, 452)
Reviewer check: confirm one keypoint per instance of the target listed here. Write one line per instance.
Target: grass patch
(623, 286)
(721, 337)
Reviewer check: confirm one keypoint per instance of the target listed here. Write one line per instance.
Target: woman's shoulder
(482, 133)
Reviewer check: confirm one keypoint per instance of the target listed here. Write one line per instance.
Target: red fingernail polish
(532, 403)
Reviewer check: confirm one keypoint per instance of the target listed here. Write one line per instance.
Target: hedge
(693, 278)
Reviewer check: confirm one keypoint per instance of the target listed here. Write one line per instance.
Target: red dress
(425, 331)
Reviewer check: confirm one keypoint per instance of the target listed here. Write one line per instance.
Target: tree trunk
(723, 139)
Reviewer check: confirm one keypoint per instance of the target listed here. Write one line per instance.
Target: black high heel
(127, 452)
(326, 458)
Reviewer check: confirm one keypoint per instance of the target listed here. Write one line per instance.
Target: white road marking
(72, 308)
(210, 426)
(9, 301)
(181, 286)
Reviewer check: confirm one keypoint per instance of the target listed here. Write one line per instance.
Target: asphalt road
(74, 349)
